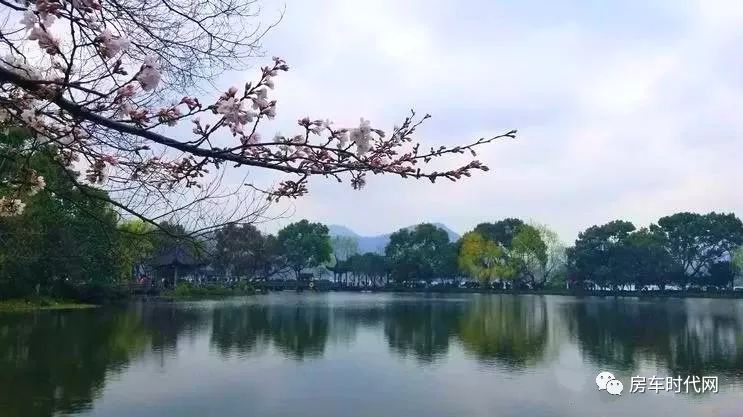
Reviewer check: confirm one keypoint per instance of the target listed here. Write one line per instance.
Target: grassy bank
(187, 291)
(40, 303)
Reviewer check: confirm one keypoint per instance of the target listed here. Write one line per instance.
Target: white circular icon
(614, 387)
(603, 378)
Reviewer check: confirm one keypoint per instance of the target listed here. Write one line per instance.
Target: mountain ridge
(377, 243)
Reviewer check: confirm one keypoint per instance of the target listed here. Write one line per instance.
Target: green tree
(243, 251)
(483, 259)
(721, 275)
(65, 238)
(648, 262)
(344, 247)
(737, 260)
(369, 268)
(528, 254)
(136, 245)
(696, 241)
(304, 245)
(450, 261)
(556, 254)
(597, 256)
(415, 254)
(502, 231)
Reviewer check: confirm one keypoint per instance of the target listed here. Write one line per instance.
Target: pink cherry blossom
(149, 76)
(47, 42)
(112, 45)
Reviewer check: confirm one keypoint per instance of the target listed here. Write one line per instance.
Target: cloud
(625, 109)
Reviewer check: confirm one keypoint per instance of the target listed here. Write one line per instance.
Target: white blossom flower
(149, 76)
(270, 112)
(32, 120)
(342, 137)
(11, 206)
(47, 42)
(29, 19)
(48, 19)
(86, 5)
(260, 101)
(269, 82)
(235, 114)
(317, 129)
(112, 45)
(37, 184)
(361, 137)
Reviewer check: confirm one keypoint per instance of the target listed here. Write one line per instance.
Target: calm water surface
(345, 355)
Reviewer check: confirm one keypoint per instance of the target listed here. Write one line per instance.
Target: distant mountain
(378, 243)
(338, 230)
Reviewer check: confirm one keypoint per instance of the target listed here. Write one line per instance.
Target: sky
(625, 109)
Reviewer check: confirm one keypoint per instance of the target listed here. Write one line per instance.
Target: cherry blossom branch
(107, 114)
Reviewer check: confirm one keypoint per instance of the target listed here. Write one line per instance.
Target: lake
(391, 355)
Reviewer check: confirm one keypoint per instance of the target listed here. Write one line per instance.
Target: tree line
(683, 250)
(70, 242)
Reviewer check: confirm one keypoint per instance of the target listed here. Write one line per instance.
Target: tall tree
(242, 251)
(502, 231)
(555, 251)
(647, 261)
(305, 245)
(369, 268)
(596, 256)
(58, 239)
(483, 259)
(529, 255)
(344, 247)
(696, 241)
(415, 254)
(737, 261)
(137, 245)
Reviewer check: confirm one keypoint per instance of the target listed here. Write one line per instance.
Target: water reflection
(683, 337)
(510, 331)
(56, 362)
(422, 330)
(59, 362)
(240, 330)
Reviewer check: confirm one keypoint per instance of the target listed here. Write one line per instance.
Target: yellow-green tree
(738, 261)
(136, 245)
(483, 259)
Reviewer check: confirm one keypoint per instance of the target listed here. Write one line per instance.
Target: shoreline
(29, 305)
(583, 293)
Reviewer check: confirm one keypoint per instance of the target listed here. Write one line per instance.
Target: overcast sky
(626, 109)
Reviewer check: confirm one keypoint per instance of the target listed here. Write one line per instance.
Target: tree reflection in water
(58, 362)
(506, 330)
(685, 337)
(422, 329)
